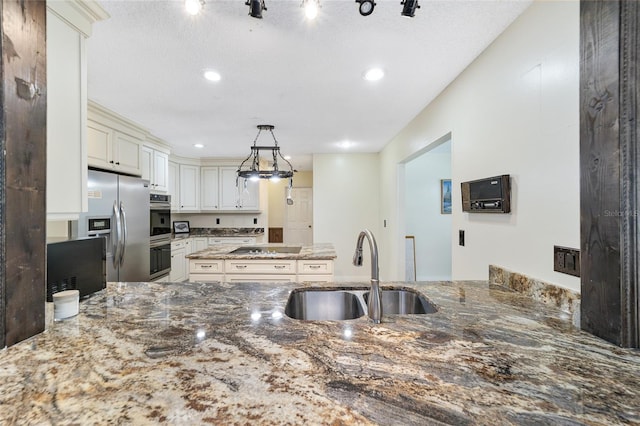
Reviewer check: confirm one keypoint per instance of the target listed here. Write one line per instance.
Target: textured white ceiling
(146, 63)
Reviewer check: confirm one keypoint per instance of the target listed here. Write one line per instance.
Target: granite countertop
(196, 353)
(320, 251)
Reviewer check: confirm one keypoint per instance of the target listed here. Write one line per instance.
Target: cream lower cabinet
(276, 270)
(206, 270)
(315, 271)
(178, 252)
(231, 240)
(199, 243)
(261, 270)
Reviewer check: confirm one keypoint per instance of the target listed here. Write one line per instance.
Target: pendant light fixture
(252, 169)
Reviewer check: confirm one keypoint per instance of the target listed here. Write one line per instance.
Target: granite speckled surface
(320, 251)
(194, 353)
(547, 293)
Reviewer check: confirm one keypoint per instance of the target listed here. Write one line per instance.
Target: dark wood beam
(23, 178)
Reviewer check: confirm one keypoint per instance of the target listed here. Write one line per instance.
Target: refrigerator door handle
(123, 217)
(116, 237)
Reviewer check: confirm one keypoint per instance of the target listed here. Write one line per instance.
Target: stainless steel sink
(340, 304)
(404, 301)
(323, 304)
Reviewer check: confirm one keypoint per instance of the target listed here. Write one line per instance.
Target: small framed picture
(181, 227)
(445, 196)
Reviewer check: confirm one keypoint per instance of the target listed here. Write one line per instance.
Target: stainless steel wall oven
(160, 235)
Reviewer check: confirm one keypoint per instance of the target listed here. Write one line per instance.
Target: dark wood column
(23, 169)
(609, 163)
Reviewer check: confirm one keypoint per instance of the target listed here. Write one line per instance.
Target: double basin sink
(344, 304)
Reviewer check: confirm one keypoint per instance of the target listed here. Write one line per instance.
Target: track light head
(409, 8)
(366, 7)
(256, 7)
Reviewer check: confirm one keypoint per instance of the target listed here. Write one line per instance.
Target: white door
(299, 217)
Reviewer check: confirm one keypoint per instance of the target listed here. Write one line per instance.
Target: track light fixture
(256, 7)
(409, 8)
(311, 8)
(366, 7)
(193, 7)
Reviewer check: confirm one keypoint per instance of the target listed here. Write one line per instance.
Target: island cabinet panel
(245, 278)
(315, 267)
(275, 266)
(206, 266)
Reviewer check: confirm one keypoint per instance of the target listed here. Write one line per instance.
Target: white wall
(346, 201)
(513, 111)
(423, 217)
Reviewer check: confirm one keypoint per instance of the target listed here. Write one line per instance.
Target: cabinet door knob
(117, 163)
(111, 162)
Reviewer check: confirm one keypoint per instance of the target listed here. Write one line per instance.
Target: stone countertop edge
(320, 251)
(222, 353)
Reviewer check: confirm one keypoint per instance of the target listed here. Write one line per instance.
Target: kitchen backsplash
(226, 232)
(550, 294)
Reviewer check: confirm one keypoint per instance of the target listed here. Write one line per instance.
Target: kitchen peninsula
(263, 263)
(202, 353)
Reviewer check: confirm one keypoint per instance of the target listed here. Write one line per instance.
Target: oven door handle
(160, 206)
(160, 243)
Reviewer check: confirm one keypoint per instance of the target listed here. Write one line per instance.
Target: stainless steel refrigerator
(119, 211)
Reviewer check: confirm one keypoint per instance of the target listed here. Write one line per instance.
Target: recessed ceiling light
(345, 144)
(212, 75)
(198, 145)
(373, 74)
(287, 157)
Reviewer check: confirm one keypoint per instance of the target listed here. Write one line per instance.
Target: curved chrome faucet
(375, 297)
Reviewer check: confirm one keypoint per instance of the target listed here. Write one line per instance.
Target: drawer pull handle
(206, 266)
(279, 266)
(241, 266)
(314, 266)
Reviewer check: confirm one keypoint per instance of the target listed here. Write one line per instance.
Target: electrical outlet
(461, 237)
(255, 220)
(566, 260)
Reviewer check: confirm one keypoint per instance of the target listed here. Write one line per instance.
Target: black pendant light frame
(250, 167)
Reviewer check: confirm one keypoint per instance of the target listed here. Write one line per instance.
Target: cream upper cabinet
(209, 198)
(126, 153)
(174, 185)
(113, 142)
(68, 26)
(241, 196)
(161, 171)
(155, 168)
(99, 143)
(210, 187)
(189, 188)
